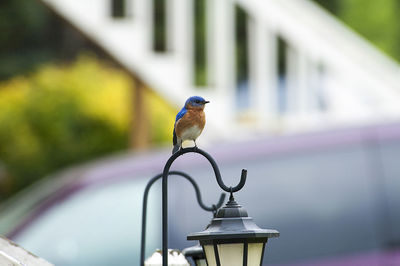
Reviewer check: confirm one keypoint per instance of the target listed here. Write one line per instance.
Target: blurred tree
(376, 20)
(61, 115)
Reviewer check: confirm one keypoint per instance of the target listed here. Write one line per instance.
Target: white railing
(333, 76)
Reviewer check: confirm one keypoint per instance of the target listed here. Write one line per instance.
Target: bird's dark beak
(206, 102)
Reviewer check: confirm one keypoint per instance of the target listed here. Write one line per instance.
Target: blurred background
(304, 93)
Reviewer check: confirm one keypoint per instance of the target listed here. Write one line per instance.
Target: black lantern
(197, 255)
(233, 239)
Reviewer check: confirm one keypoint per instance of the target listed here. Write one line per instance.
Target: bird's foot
(188, 148)
(195, 145)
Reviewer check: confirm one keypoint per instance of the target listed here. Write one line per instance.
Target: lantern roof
(232, 222)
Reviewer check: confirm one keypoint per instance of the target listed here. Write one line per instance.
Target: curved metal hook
(165, 191)
(212, 209)
(214, 166)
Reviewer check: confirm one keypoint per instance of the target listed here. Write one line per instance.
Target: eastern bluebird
(189, 122)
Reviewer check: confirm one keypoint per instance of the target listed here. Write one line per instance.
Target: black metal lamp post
(232, 238)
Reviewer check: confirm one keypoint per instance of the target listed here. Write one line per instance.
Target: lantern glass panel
(210, 255)
(254, 253)
(231, 254)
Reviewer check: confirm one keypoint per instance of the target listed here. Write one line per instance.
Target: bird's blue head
(195, 101)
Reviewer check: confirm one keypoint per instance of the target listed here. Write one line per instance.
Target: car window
(99, 225)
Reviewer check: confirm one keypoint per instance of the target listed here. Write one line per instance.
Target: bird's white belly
(191, 133)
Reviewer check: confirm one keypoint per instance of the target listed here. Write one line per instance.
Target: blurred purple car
(334, 197)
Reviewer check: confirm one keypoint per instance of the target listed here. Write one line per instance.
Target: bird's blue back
(181, 113)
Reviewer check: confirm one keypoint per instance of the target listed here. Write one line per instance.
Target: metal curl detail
(212, 209)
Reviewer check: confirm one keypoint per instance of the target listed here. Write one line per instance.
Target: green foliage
(61, 116)
(377, 21)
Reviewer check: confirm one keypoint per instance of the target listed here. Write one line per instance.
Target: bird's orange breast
(193, 117)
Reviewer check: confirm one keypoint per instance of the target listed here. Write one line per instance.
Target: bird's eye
(197, 101)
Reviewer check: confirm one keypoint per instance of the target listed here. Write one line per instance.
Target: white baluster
(129, 8)
(291, 79)
(298, 78)
(143, 19)
(298, 89)
(221, 67)
(180, 35)
(303, 83)
(317, 98)
(262, 70)
(102, 9)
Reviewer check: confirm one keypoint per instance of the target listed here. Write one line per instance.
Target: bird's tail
(175, 149)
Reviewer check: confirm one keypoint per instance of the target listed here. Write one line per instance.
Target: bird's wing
(174, 138)
(181, 113)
